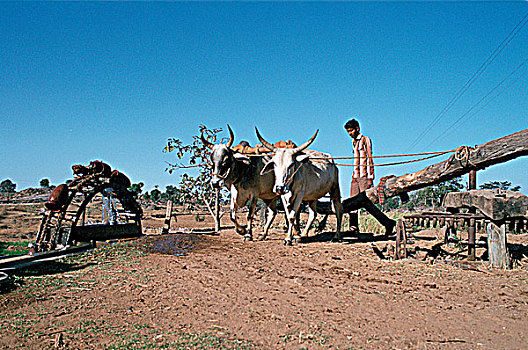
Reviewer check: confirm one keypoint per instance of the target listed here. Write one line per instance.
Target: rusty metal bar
(472, 185)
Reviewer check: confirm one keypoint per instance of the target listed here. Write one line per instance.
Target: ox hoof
(297, 239)
(288, 242)
(248, 238)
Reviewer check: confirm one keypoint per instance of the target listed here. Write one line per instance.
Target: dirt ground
(199, 290)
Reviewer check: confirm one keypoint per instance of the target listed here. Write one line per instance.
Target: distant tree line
(432, 196)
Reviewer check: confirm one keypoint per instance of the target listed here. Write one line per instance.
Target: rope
(223, 177)
(292, 175)
(462, 155)
(406, 162)
(394, 155)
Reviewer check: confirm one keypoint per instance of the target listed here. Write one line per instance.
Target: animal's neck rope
(223, 177)
(290, 179)
(226, 175)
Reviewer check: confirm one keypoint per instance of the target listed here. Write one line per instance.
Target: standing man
(362, 179)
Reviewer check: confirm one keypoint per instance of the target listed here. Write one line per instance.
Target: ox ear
(302, 158)
(241, 158)
(267, 168)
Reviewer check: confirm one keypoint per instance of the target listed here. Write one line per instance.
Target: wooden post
(401, 237)
(472, 185)
(497, 247)
(168, 216)
(471, 239)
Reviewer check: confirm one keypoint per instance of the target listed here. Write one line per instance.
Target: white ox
(297, 179)
(241, 175)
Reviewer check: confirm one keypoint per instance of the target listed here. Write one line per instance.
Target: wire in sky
(484, 98)
(474, 77)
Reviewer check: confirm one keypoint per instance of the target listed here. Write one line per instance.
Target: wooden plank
(463, 161)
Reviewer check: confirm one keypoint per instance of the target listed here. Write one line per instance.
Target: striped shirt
(363, 165)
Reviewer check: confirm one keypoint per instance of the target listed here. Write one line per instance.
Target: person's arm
(370, 162)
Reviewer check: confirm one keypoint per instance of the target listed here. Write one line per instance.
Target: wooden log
(463, 161)
(499, 256)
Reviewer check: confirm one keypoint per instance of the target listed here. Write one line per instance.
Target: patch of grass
(14, 248)
(180, 340)
(367, 223)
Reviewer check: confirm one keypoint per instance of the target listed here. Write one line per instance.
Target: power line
(474, 77)
(483, 98)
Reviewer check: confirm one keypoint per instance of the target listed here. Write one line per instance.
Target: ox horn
(264, 142)
(205, 142)
(306, 144)
(231, 137)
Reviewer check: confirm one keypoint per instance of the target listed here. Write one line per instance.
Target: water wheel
(68, 217)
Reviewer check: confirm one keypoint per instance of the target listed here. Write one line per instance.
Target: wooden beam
(464, 160)
(22, 260)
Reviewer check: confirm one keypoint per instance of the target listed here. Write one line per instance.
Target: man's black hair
(352, 124)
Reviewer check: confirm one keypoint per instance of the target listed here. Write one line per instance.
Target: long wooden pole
(464, 160)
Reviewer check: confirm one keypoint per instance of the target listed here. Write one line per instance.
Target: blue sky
(113, 81)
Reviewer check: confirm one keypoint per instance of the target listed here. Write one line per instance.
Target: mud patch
(174, 244)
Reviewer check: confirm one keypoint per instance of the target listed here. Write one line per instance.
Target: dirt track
(226, 293)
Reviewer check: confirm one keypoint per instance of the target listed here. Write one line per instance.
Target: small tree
(503, 185)
(172, 193)
(45, 183)
(155, 194)
(136, 189)
(197, 188)
(7, 186)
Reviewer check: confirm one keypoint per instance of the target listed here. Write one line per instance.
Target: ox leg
(272, 212)
(311, 217)
(335, 195)
(291, 210)
(251, 212)
(233, 209)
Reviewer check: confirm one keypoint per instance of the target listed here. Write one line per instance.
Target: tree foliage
(44, 183)
(503, 185)
(432, 196)
(155, 194)
(193, 188)
(7, 186)
(137, 189)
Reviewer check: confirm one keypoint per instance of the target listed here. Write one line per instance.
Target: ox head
(223, 159)
(285, 163)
